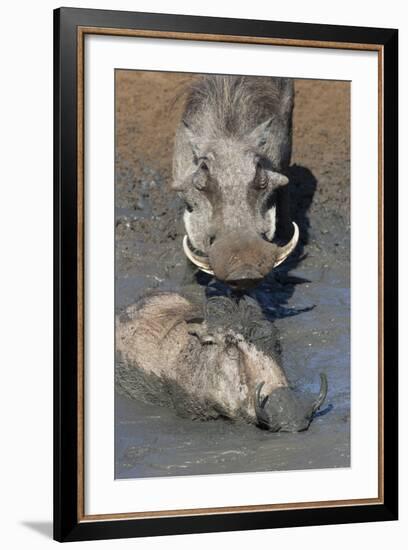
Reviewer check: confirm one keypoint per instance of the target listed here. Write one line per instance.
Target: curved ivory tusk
(259, 403)
(322, 394)
(203, 264)
(287, 249)
(199, 261)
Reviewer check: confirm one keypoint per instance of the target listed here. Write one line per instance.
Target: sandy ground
(312, 317)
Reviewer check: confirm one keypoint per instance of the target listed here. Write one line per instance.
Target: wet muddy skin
(308, 299)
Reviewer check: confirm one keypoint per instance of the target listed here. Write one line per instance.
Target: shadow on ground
(44, 528)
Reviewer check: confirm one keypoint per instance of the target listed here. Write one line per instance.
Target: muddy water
(151, 441)
(309, 302)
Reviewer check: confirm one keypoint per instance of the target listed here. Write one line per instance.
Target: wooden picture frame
(70, 520)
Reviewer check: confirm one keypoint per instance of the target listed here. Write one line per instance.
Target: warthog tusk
(199, 261)
(202, 261)
(263, 419)
(261, 416)
(285, 251)
(322, 394)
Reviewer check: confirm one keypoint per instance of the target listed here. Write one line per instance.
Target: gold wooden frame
(82, 31)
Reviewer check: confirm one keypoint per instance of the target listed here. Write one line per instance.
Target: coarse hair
(234, 105)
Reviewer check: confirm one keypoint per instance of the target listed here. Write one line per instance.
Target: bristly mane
(235, 105)
(244, 317)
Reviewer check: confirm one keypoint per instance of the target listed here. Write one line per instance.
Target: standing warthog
(221, 365)
(232, 151)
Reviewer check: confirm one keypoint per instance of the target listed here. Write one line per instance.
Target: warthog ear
(259, 136)
(278, 179)
(193, 139)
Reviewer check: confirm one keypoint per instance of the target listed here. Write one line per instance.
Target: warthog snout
(283, 411)
(241, 260)
(238, 259)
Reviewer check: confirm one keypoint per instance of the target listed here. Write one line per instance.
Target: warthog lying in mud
(223, 364)
(231, 156)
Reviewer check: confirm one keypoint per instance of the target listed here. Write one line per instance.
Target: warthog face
(229, 170)
(231, 213)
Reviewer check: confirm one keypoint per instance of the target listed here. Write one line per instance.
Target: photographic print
(232, 274)
(225, 244)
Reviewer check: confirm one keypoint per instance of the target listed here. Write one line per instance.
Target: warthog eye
(260, 181)
(188, 206)
(200, 178)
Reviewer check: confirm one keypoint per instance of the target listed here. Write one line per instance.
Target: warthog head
(224, 365)
(274, 404)
(232, 151)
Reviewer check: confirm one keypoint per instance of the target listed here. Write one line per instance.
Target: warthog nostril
(244, 284)
(244, 278)
(246, 272)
